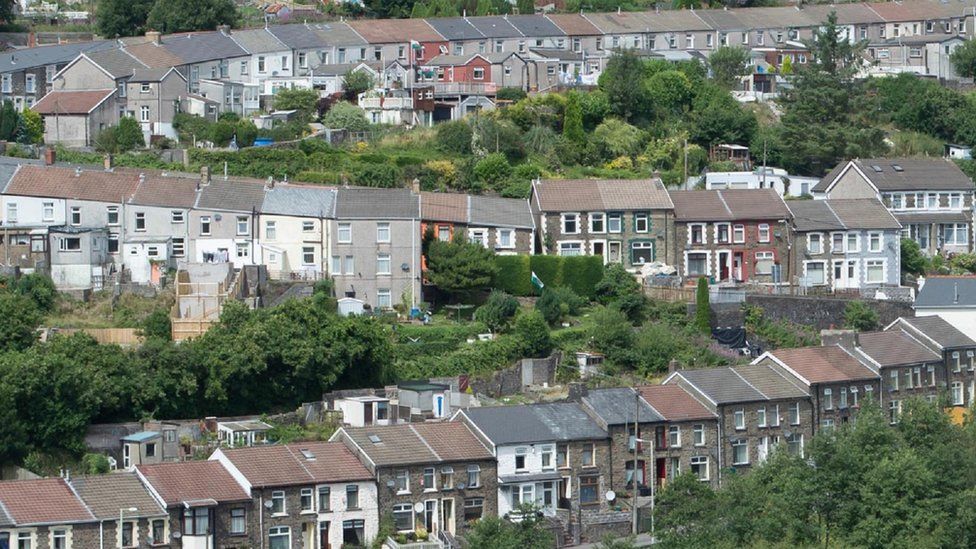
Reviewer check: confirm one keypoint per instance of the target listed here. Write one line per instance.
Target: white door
(614, 252)
(845, 274)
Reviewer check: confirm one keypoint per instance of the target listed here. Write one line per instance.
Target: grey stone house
(436, 476)
(375, 246)
(759, 410)
(206, 506)
(931, 197)
(155, 226)
(834, 378)
(624, 221)
(153, 98)
(26, 75)
(144, 520)
(223, 222)
(845, 243)
(958, 354)
(320, 494)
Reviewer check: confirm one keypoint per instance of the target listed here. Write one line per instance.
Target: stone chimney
(224, 29)
(50, 156)
(205, 175)
(108, 161)
(415, 185)
(673, 366)
(210, 423)
(577, 391)
(155, 37)
(846, 339)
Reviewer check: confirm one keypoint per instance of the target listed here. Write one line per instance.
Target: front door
(324, 535)
(614, 255)
(430, 515)
(447, 515)
(737, 266)
(723, 266)
(845, 273)
(661, 471)
(600, 249)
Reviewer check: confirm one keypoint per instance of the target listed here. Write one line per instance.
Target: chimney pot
(415, 185)
(673, 366)
(108, 160)
(155, 37)
(205, 175)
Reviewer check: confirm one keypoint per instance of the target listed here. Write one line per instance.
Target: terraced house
(624, 221)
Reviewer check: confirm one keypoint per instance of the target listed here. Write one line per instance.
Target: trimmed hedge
(514, 274)
(580, 273)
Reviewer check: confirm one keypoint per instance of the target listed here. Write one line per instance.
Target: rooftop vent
(375, 439)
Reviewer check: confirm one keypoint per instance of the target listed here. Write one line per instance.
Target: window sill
(279, 514)
(429, 490)
(403, 493)
(309, 512)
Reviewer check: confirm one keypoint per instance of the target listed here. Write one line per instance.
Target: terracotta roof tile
(392, 31)
(452, 441)
(823, 364)
(895, 348)
(158, 190)
(451, 207)
(42, 501)
(556, 195)
(192, 481)
(406, 444)
(674, 403)
(106, 494)
(60, 182)
(268, 466)
(71, 102)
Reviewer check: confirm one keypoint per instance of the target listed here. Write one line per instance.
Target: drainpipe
(261, 517)
(721, 443)
(101, 535)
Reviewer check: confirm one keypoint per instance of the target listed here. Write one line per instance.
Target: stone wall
(509, 381)
(823, 313)
(597, 524)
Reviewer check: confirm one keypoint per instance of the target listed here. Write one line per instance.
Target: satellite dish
(611, 495)
(460, 486)
(268, 504)
(390, 483)
(418, 507)
(177, 534)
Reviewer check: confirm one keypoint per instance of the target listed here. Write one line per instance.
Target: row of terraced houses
(451, 65)
(582, 463)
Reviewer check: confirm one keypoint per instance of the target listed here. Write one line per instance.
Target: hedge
(549, 269)
(514, 274)
(582, 274)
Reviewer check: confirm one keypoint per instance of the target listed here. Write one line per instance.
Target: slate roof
(573, 24)
(18, 60)
(841, 214)
(907, 218)
(116, 62)
(495, 26)
(895, 348)
(185, 481)
(71, 102)
(258, 41)
(728, 204)
(846, 13)
(393, 31)
(937, 329)
(618, 23)
(674, 21)
(916, 174)
(455, 28)
(106, 494)
(365, 203)
(770, 382)
(674, 403)
(302, 201)
(61, 182)
(535, 26)
(152, 75)
(447, 207)
(204, 46)
(154, 55)
(535, 423)
(297, 36)
(557, 195)
(947, 292)
(286, 465)
(409, 443)
(42, 501)
(722, 385)
(494, 211)
(157, 190)
(616, 406)
(825, 364)
(231, 195)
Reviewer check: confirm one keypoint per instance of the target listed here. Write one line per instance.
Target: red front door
(661, 473)
(324, 535)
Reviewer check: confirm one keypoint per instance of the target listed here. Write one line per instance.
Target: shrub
(533, 335)
(497, 310)
(492, 170)
(858, 316)
(454, 137)
(40, 289)
(558, 302)
(510, 94)
(615, 283)
(703, 310)
(385, 176)
(548, 268)
(612, 335)
(346, 115)
(514, 275)
(157, 324)
(582, 274)
(95, 464)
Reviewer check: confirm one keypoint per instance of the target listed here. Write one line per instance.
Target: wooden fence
(126, 337)
(186, 328)
(674, 294)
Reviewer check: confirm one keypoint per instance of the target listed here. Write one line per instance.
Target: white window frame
(736, 444)
(344, 228)
(500, 240)
(243, 225)
(708, 262)
(560, 244)
(771, 258)
(594, 218)
(764, 233)
(698, 431)
(806, 271)
(564, 217)
(875, 237)
(382, 258)
(739, 418)
(702, 463)
(738, 233)
(704, 233)
(874, 263)
(615, 218)
(818, 237)
(276, 497)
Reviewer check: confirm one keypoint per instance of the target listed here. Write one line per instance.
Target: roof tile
(823, 364)
(106, 494)
(71, 102)
(185, 481)
(674, 403)
(42, 501)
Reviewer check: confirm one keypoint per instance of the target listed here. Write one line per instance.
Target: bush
(514, 275)
(346, 115)
(454, 137)
(613, 335)
(510, 94)
(533, 335)
(703, 310)
(582, 274)
(615, 283)
(497, 310)
(386, 176)
(157, 324)
(40, 289)
(95, 464)
(558, 302)
(492, 170)
(548, 268)
(858, 316)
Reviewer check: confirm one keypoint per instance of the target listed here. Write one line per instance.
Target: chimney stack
(673, 366)
(155, 37)
(205, 175)
(224, 29)
(846, 339)
(415, 185)
(210, 423)
(108, 161)
(50, 156)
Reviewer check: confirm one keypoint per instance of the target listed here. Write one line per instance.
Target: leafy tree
(459, 267)
(533, 334)
(558, 302)
(728, 64)
(913, 262)
(492, 134)
(302, 100)
(157, 324)
(454, 137)
(718, 118)
(497, 310)
(169, 16)
(688, 514)
(858, 316)
(617, 137)
(573, 119)
(95, 464)
(670, 92)
(356, 82)
(615, 284)
(128, 135)
(623, 83)
(614, 336)
(964, 59)
(9, 122)
(492, 170)
(117, 18)
(703, 310)
(32, 128)
(20, 320)
(346, 115)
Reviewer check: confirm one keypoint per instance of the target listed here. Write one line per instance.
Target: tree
(497, 310)
(492, 170)
(858, 316)
(912, 260)
(302, 100)
(617, 137)
(525, 7)
(533, 334)
(454, 137)
(459, 267)
(558, 302)
(573, 119)
(20, 320)
(718, 118)
(347, 116)
(169, 16)
(356, 82)
(128, 135)
(623, 83)
(703, 310)
(9, 122)
(728, 64)
(964, 59)
(32, 128)
(117, 18)
(40, 289)
(670, 92)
